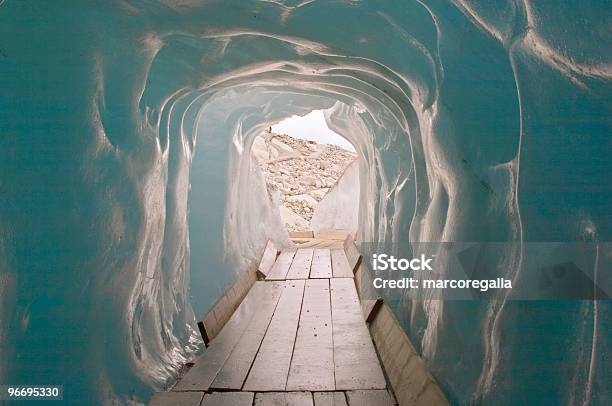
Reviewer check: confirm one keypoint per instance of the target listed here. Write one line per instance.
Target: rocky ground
(302, 171)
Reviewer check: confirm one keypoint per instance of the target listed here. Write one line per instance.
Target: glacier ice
(339, 208)
(128, 201)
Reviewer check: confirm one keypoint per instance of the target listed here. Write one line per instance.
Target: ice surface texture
(474, 121)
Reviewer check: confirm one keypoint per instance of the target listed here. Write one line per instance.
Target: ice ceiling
(124, 173)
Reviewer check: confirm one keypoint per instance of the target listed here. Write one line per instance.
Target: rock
(317, 194)
(308, 180)
(290, 217)
(301, 172)
(281, 147)
(260, 150)
(303, 199)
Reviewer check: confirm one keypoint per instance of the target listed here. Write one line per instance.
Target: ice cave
(129, 201)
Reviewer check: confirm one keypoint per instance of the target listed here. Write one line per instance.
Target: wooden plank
(176, 399)
(411, 380)
(352, 253)
(321, 264)
(207, 365)
(332, 234)
(301, 234)
(300, 267)
(203, 332)
(283, 399)
(317, 243)
(370, 308)
(236, 367)
(370, 397)
(329, 399)
(340, 264)
(355, 361)
(271, 367)
(215, 319)
(281, 266)
(268, 258)
(228, 399)
(312, 365)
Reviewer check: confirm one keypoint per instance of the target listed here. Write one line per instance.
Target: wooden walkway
(319, 239)
(298, 338)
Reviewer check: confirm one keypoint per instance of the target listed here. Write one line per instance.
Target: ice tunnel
(130, 202)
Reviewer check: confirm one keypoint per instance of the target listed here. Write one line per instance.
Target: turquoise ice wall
(474, 120)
